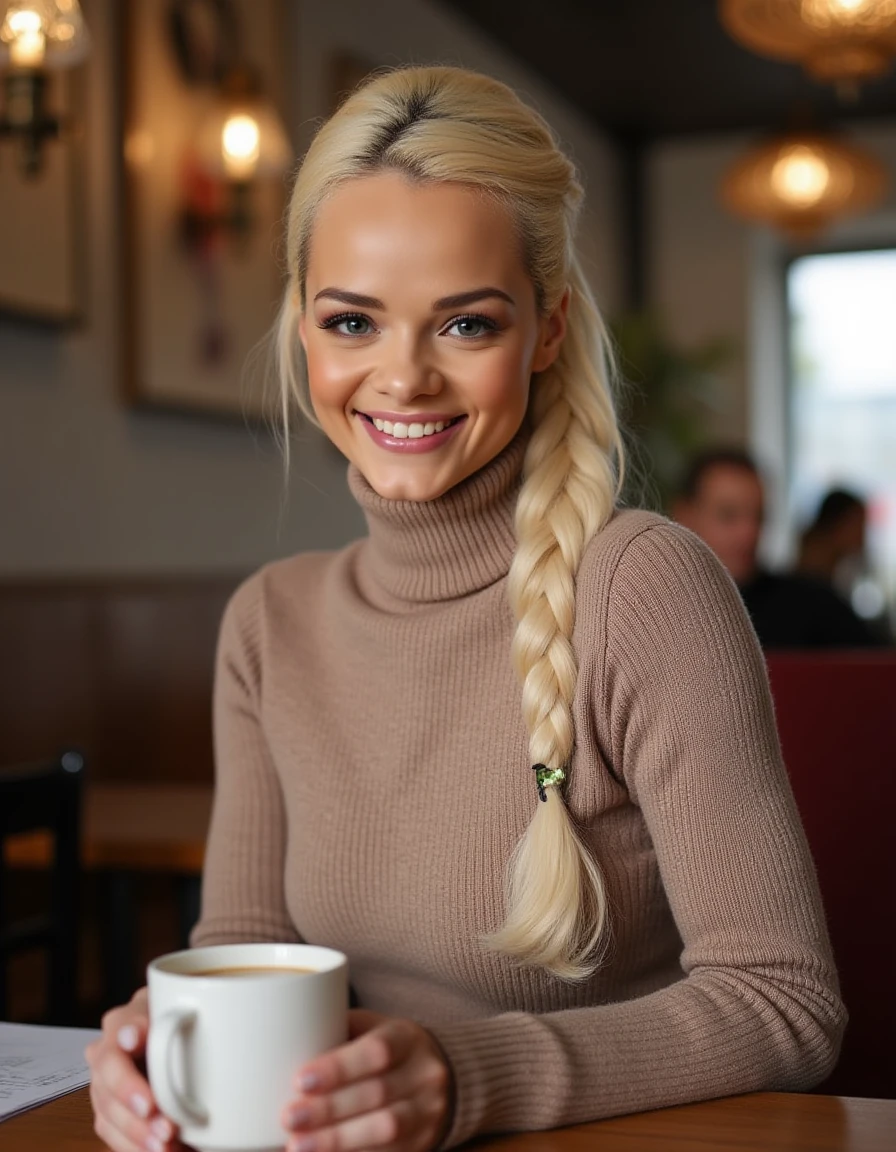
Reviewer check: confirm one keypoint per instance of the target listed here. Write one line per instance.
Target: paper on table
(38, 1064)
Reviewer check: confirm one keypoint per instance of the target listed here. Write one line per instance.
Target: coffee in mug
(229, 1027)
(254, 970)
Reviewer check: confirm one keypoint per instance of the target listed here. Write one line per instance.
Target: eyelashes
(346, 318)
(486, 324)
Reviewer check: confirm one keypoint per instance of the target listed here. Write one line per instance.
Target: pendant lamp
(839, 41)
(801, 183)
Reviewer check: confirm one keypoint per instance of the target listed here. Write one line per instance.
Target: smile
(400, 434)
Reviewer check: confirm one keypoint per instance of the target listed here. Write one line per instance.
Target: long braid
(556, 901)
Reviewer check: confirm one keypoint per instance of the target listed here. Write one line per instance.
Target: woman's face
(421, 331)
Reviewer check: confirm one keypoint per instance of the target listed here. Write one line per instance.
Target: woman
(379, 711)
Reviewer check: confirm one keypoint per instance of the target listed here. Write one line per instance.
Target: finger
(152, 1135)
(426, 1078)
(115, 1139)
(383, 1128)
(371, 1054)
(116, 1074)
(128, 1027)
(310, 1112)
(120, 1142)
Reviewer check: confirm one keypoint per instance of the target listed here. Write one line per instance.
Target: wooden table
(128, 829)
(765, 1122)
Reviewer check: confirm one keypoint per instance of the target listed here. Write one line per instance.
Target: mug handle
(163, 1034)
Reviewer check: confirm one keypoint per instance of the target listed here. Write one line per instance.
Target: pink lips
(407, 444)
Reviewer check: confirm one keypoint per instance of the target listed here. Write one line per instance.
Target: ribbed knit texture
(373, 779)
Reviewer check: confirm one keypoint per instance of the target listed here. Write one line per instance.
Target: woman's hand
(126, 1116)
(389, 1087)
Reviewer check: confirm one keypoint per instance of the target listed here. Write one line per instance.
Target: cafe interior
(739, 160)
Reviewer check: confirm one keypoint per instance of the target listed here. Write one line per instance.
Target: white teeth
(409, 431)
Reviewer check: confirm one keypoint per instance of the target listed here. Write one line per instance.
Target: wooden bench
(121, 669)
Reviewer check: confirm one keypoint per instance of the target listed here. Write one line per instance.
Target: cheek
(330, 382)
(501, 383)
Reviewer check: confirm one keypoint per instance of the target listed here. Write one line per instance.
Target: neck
(453, 546)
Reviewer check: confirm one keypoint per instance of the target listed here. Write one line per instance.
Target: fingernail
(153, 1144)
(128, 1037)
(140, 1106)
(308, 1081)
(299, 1117)
(304, 1144)
(163, 1128)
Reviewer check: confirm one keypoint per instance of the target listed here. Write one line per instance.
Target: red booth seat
(837, 720)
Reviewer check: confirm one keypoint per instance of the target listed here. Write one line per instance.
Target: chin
(416, 489)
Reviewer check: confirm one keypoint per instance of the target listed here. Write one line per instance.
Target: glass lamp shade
(802, 183)
(841, 41)
(38, 34)
(242, 139)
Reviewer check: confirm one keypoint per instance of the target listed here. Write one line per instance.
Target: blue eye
(469, 327)
(348, 324)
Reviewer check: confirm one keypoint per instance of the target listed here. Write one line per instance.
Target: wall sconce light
(36, 36)
(241, 141)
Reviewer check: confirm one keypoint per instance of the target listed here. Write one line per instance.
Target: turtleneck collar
(449, 547)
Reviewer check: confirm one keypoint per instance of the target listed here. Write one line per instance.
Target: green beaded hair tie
(547, 778)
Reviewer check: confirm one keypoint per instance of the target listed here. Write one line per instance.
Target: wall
(87, 486)
(698, 260)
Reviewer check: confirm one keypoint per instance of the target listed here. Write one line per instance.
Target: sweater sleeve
(243, 878)
(687, 716)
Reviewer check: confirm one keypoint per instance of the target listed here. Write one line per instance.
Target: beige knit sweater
(373, 778)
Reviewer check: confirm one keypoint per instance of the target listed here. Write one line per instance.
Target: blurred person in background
(835, 538)
(722, 500)
(833, 549)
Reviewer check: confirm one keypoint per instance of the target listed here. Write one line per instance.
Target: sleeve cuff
(509, 1075)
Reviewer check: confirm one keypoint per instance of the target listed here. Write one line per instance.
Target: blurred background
(125, 326)
(739, 161)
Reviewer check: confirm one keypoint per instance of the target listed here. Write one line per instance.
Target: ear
(303, 335)
(550, 337)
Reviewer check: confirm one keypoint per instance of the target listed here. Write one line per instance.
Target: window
(842, 418)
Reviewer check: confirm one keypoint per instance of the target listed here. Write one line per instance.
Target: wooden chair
(837, 720)
(45, 796)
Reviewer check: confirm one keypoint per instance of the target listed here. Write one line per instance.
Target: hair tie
(547, 778)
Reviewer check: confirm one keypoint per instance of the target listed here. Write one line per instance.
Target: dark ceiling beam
(663, 68)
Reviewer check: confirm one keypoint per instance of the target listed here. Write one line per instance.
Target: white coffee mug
(224, 1047)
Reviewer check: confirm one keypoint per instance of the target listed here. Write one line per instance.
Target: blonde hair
(447, 124)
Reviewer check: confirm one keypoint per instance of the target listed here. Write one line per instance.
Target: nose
(407, 372)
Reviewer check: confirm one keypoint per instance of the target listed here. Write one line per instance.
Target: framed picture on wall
(42, 217)
(203, 275)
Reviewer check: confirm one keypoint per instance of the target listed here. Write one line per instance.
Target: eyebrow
(463, 299)
(460, 300)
